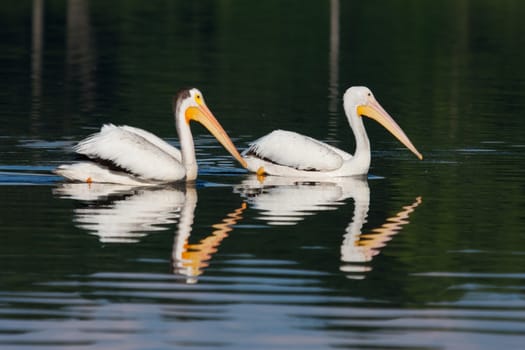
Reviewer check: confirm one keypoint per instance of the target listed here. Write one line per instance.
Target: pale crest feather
(134, 151)
(297, 151)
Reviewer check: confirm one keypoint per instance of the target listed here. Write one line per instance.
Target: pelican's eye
(198, 99)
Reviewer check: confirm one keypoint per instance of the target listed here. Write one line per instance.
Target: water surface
(418, 255)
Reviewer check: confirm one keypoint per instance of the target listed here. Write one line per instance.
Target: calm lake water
(420, 255)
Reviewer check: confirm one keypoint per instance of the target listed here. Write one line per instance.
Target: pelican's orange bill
(203, 115)
(375, 111)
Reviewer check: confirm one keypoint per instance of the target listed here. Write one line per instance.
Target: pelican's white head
(184, 100)
(359, 101)
(189, 105)
(357, 95)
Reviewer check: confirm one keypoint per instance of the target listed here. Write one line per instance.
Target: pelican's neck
(187, 214)
(187, 149)
(362, 157)
(350, 250)
(361, 197)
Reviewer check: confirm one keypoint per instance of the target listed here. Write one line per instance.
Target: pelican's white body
(148, 158)
(286, 153)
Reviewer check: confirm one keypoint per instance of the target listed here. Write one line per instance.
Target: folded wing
(135, 151)
(297, 151)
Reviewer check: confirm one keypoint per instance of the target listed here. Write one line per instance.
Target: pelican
(132, 156)
(286, 153)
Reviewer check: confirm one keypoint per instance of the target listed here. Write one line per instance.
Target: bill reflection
(190, 259)
(360, 248)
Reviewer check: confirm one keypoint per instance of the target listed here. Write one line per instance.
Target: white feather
(154, 139)
(297, 151)
(138, 151)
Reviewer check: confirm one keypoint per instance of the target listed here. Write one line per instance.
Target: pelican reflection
(124, 214)
(286, 200)
(282, 200)
(121, 213)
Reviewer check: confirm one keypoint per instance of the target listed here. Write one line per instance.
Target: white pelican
(132, 156)
(286, 153)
